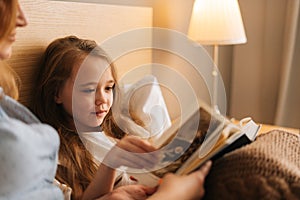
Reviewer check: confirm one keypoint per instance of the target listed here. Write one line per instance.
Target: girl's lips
(100, 113)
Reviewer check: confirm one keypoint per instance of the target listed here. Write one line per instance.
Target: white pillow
(143, 109)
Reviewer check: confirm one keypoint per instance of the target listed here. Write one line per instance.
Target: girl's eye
(110, 88)
(88, 90)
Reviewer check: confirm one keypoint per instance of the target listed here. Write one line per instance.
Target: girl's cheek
(84, 102)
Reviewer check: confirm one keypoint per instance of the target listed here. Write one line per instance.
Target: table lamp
(216, 22)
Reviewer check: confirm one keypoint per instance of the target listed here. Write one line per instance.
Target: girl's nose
(21, 19)
(100, 98)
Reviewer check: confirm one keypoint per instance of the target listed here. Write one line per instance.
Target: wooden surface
(266, 128)
(49, 20)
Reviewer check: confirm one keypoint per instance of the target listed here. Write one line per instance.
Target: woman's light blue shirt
(28, 154)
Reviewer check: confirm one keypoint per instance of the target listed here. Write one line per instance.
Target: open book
(203, 135)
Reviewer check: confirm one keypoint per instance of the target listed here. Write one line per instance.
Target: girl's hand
(131, 151)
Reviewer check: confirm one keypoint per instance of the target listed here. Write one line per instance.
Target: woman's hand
(183, 187)
(129, 192)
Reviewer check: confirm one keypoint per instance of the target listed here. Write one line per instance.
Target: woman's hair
(77, 167)
(9, 80)
(8, 14)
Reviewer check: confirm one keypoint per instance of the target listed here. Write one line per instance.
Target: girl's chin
(95, 126)
(94, 129)
(89, 124)
(89, 128)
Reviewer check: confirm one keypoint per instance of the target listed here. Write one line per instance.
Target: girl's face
(6, 42)
(87, 95)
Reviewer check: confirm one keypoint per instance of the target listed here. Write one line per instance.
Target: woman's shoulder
(19, 133)
(18, 124)
(12, 108)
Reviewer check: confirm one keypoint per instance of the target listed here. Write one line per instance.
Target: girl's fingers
(142, 144)
(119, 157)
(131, 151)
(135, 144)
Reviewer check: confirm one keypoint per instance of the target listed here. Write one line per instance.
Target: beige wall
(175, 14)
(236, 63)
(251, 72)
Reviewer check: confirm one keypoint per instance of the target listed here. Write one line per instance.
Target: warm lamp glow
(217, 22)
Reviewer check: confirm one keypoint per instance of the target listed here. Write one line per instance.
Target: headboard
(49, 20)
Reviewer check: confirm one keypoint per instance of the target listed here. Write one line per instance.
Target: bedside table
(267, 127)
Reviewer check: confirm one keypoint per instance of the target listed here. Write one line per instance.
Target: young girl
(75, 94)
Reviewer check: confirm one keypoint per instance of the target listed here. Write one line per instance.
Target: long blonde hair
(77, 167)
(8, 14)
(9, 80)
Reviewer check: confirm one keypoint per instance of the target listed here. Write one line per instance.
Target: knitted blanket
(268, 168)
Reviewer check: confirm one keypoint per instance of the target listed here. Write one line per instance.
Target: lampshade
(217, 22)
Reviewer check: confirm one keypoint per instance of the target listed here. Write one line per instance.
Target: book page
(228, 142)
(196, 160)
(187, 140)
